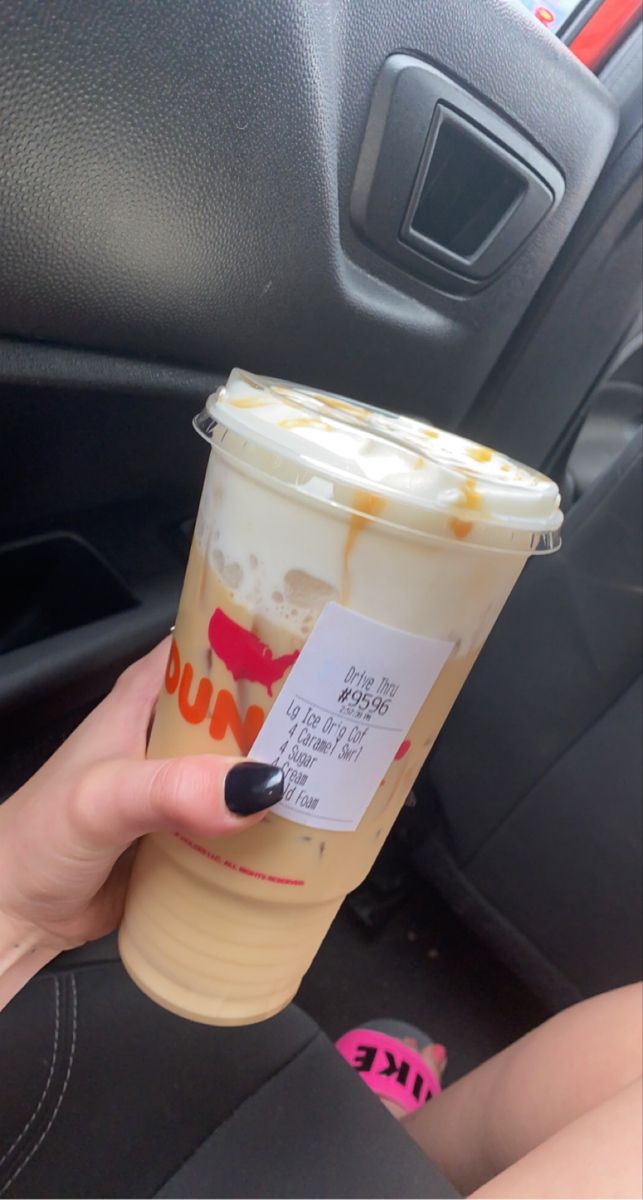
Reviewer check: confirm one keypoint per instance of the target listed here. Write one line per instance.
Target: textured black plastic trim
(176, 180)
(53, 584)
(410, 102)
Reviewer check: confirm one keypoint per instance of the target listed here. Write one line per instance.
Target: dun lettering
(195, 704)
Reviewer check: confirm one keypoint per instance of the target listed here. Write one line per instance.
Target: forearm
(23, 951)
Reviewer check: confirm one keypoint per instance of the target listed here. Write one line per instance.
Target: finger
(132, 700)
(119, 724)
(108, 903)
(144, 678)
(205, 795)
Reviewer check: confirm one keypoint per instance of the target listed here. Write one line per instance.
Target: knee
(630, 1002)
(624, 1027)
(635, 1015)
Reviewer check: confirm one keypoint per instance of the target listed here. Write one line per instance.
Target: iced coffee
(346, 568)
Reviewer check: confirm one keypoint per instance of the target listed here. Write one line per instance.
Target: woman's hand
(65, 835)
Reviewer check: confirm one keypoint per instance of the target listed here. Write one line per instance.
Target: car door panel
(177, 185)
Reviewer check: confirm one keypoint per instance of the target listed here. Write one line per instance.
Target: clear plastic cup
(346, 568)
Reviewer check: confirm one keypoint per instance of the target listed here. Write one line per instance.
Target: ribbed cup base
(212, 955)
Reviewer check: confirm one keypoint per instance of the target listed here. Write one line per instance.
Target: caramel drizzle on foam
(253, 385)
(473, 501)
(354, 410)
(480, 453)
(368, 506)
(332, 402)
(292, 398)
(304, 422)
(249, 402)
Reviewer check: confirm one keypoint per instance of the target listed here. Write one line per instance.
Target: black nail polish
(252, 786)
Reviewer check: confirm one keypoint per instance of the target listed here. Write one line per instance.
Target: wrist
(24, 950)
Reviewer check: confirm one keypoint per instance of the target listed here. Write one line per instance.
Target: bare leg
(515, 1102)
(599, 1154)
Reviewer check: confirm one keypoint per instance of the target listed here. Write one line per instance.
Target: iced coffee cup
(346, 568)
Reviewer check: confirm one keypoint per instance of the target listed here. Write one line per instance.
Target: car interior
(430, 207)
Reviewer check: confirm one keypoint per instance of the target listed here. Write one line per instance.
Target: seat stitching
(43, 1097)
(72, 1051)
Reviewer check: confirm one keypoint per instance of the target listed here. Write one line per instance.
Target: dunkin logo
(245, 656)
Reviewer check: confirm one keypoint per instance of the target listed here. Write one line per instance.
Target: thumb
(118, 800)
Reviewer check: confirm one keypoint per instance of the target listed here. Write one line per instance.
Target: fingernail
(439, 1053)
(250, 787)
